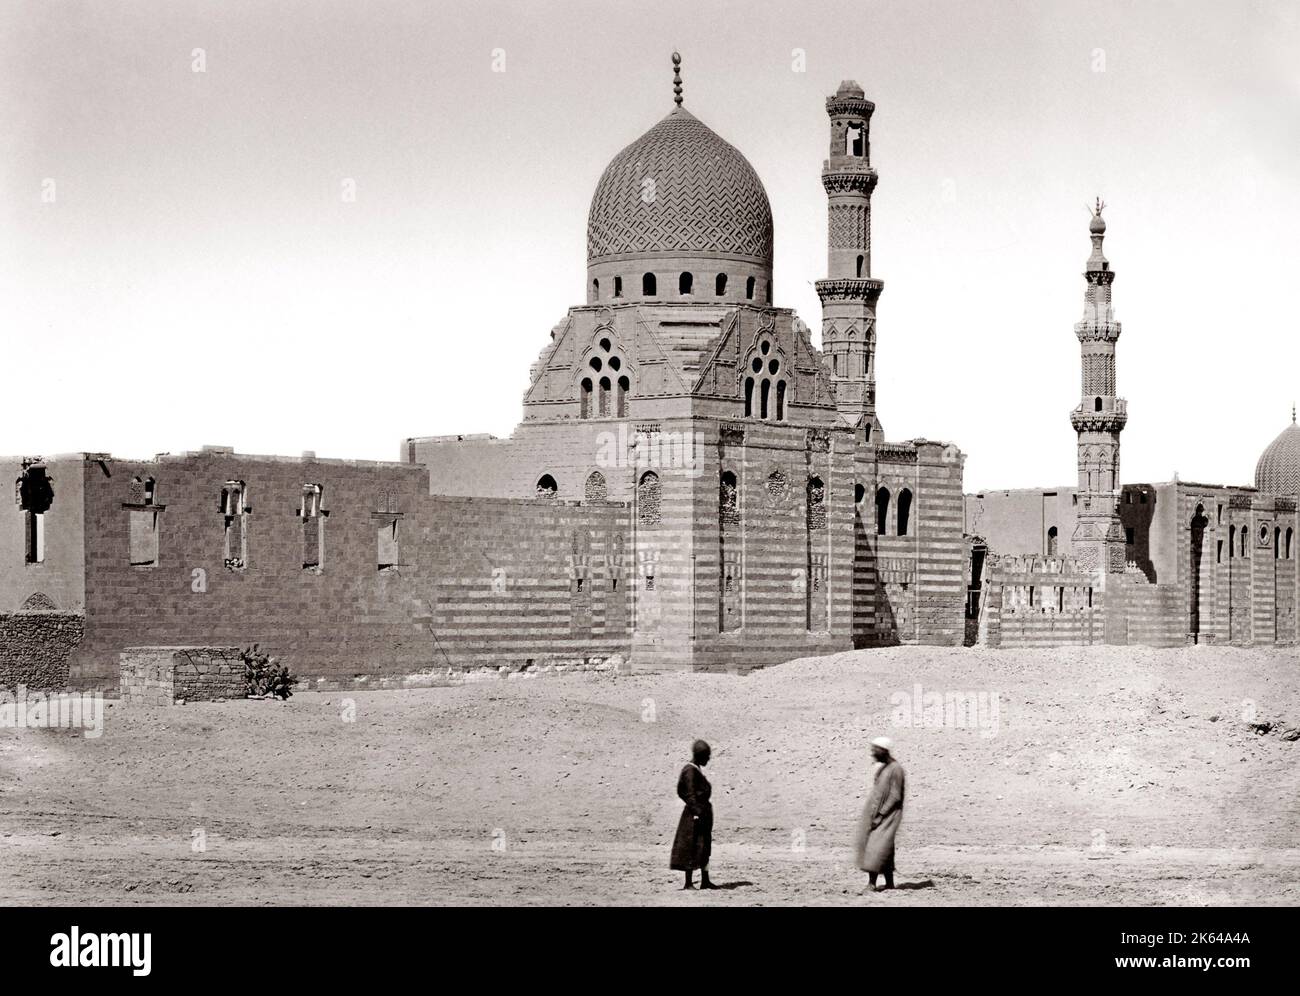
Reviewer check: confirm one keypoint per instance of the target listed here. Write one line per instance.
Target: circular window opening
(595, 363)
(859, 492)
(757, 365)
(773, 366)
(605, 344)
(765, 346)
(615, 363)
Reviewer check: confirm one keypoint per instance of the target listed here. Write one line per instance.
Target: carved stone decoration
(818, 440)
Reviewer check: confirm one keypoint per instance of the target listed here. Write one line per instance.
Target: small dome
(680, 190)
(1278, 470)
(1098, 224)
(850, 88)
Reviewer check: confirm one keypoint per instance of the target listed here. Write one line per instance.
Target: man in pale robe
(874, 848)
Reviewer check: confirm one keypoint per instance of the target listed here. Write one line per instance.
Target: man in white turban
(881, 815)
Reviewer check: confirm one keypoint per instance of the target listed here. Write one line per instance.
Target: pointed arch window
(904, 510)
(720, 284)
(882, 510)
(749, 289)
(649, 286)
(685, 283)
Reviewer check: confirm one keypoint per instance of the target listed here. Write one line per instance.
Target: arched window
(1277, 543)
(604, 396)
(1288, 543)
(624, 386)
(618, 286)
(1244, 537)
(596, 488)
(768, 295)
(749, 397)
(1232, 542)
(546, 487)
(904, 510)
(648, 288)
(1051, 541)
(684, 284)
(720, 284)
(780, 401)
(1097, 405)
(595, 290)
(749, 289)
(882, 510)
(728, 499)
(763, 391)
(648, 495)
(861, 260)
(859, 492)
(584, 398)
(816, 503)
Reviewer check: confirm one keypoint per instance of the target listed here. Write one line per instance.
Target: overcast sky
(179, 265)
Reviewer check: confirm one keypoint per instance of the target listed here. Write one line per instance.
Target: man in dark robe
(881, 815)
(694, 838)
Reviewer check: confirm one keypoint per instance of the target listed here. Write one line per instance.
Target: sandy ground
(1111, 775)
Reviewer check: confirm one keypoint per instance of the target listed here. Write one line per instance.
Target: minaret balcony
(850, 289)
(848, 176)
(1112, 418)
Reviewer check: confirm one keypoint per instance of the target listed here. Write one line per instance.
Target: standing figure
(881, 815)
(694, 838)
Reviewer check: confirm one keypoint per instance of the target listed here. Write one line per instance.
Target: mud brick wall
(163, 675)
(35, 648)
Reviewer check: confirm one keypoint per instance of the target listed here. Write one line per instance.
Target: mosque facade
(693, 483)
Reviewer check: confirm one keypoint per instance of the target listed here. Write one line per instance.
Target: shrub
(265, 675)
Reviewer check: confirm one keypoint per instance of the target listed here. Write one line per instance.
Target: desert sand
(1108, 776)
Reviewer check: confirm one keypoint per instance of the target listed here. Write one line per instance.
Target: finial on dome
(677, 79)
(1293, 413)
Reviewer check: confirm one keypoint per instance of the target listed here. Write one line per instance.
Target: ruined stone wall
(165, 675)
(35, 648)
(1040, 602)
(341, 618)
(467, 582)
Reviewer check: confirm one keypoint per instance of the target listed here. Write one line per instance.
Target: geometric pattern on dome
(705, 197)
(1278, 470)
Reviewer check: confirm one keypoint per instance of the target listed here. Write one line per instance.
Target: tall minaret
(849, 295)
(1098, 540)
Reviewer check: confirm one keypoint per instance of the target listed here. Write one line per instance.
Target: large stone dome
(1278, 470)
(680, 191)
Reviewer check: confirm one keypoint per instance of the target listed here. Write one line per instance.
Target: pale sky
(198, 277)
